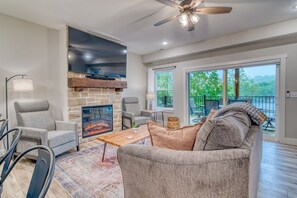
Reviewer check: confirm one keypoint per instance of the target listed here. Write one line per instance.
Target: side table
(154, 113)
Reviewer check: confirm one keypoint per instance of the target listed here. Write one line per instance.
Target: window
(164, 88)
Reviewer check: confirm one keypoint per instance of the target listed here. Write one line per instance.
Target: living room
(34, 37)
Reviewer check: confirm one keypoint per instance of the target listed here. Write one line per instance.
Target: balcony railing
(265, 103)
(164, 99)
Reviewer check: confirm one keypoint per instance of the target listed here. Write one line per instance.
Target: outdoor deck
(266, 104)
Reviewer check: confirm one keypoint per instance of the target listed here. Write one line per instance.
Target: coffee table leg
(104, 148)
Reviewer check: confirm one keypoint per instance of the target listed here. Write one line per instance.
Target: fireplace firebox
(96, 120)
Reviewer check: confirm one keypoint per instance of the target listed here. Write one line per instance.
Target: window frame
(156, 89)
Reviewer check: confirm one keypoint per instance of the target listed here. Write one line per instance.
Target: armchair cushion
(35, 133)
(131, 104)
(57, 138)
(32, 136)
(140, 120)
(146, 114)
(133, 108)
(64, 125)
(38, 119)
(128, 114)
(35, 114)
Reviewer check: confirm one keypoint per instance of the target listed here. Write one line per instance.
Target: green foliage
(210, 83)
(205, 83)
(134, 125)
(164, 88)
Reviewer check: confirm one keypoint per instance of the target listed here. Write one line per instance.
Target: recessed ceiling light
(294, 6)
(88, 57)
(164, 43)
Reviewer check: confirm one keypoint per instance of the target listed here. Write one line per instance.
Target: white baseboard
(290, 141)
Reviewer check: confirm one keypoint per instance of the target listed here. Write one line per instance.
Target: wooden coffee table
(121, 138)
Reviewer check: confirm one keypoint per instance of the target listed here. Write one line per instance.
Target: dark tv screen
(95, 56)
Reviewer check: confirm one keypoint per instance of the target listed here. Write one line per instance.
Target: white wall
(27, 48)
(136, 79)
(41, 54)
(290, 79)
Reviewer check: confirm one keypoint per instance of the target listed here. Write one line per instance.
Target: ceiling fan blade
(170, 3)
(195, 3)
(166, 20)
(213, 10)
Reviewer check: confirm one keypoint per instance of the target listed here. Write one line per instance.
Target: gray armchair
(132, 113)
(39, 128)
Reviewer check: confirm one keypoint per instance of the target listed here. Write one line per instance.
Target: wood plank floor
(278, 177)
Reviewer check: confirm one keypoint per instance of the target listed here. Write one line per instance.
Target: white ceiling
(131, 21)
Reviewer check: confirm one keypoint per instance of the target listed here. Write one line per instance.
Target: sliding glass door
(216, 88)
(205, 93)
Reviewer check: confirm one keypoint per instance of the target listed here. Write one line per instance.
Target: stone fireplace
(86, 96)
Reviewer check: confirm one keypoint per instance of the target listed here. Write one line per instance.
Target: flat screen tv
(95, 56)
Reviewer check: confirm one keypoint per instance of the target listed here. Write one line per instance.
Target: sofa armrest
(34, 133)
(154, 172)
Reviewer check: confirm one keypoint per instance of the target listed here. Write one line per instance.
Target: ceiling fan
(189, 11)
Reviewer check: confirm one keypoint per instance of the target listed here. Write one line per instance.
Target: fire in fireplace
(96, 120)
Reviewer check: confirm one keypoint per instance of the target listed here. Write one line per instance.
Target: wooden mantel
(79, 83)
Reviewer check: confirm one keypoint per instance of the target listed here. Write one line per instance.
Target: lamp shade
(150, 97)
(22, 84)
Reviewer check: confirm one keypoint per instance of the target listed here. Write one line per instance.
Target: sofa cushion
(177, 139)
(224, 132)
(37, 119)
(57, 138)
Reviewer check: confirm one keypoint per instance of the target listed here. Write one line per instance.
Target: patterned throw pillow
(176, 139)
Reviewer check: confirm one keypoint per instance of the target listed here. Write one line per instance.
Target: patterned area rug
(83, 174)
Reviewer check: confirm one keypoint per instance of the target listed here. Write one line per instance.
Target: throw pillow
(176, 139)
(224, 132)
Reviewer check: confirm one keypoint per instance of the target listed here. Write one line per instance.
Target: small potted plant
(135, 127)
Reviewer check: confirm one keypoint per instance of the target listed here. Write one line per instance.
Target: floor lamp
(19, 85)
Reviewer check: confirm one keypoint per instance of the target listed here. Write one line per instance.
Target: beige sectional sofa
(150, 172)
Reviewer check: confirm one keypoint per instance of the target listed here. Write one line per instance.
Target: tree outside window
(164, 88)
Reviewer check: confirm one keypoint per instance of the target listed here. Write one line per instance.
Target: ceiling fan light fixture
(188, 26)
(184, 19)
(194, 18)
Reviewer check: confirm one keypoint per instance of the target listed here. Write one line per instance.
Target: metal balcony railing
(266, 104)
